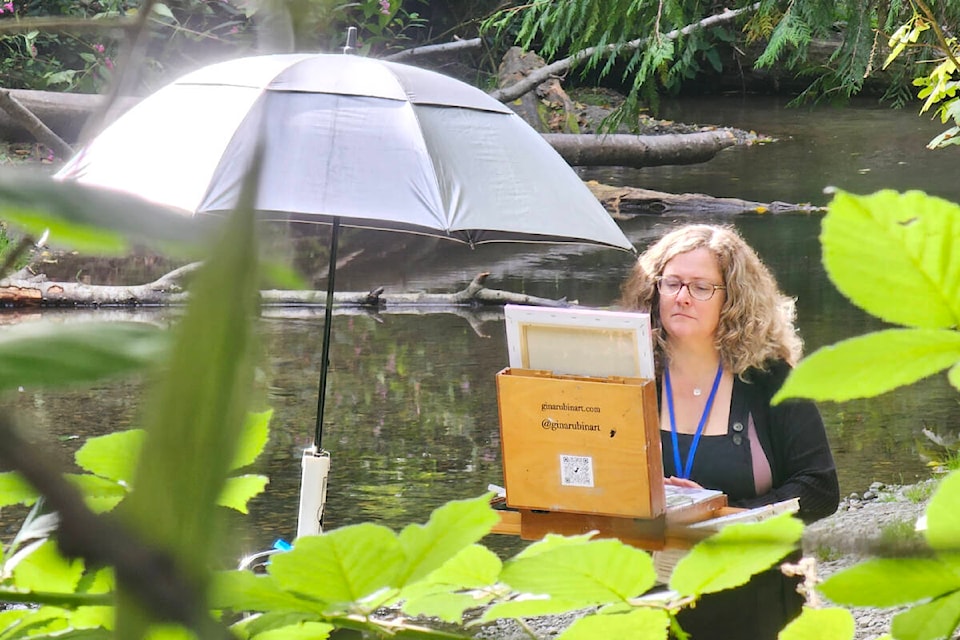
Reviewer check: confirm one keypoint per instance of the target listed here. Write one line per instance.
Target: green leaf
(729, 558)
(99, 494)
(915, 237)
(449, 607)
(553, 541)
(451, 528)
(47, 570)
(474, 567)
(93, 220)
(113, 456)
(53, 354)
(954, 377)
(163, 10)
(256, 433)
(589, 573)
(15, 490)
(889, 582)
(820, 624)
(930, 621)
(239, 490)
(872, 364)
(640, 624)
(529, 608)
(342, 566)
(246, 591)
(943, 517)
(307, 630)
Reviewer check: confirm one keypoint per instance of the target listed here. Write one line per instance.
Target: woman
(725, 342)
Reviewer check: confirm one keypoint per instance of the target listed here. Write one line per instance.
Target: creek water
(411, 419)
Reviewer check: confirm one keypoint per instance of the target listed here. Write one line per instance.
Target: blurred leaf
(47, 570)
(890, 582)
(342, 566)
(246, 591)
(239, 490)
(729, 558)
(15, 490)
(943, 519)
(636, 625)
(589, 573)
(451, 528)
(253, 439)
(99, 494)
(820, 624)
(871, 364)
(113, 456)
(914, 237)
(281, 276)
(53, 354)
(306, 630)
(930, 621)
(553, 541)
(94, 220)
(473, 567)
(196, 417)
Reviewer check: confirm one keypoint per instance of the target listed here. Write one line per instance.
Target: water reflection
(412, 414)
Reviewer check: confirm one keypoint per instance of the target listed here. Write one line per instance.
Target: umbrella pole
(327, 321)
(315, 464)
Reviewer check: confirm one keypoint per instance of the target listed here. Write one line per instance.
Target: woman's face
(683, 316)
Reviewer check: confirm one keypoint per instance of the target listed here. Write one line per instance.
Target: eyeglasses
(699, 289)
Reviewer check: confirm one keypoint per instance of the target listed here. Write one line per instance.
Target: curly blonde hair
(756, 320)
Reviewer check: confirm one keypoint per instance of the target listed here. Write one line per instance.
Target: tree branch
(559, 67)
(434, 49)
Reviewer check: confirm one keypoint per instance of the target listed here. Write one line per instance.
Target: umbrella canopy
(379, 145)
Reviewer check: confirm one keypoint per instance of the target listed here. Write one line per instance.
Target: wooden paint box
(580, 445)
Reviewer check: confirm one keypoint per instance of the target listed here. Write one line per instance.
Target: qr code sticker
(576, 471)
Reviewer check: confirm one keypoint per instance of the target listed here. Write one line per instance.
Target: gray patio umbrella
(347, 141)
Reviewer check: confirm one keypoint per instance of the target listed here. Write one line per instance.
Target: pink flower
(385, 7)
(99, 48)
(108, 63)
(8, 6)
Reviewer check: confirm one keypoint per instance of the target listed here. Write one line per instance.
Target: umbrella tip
(351, 46)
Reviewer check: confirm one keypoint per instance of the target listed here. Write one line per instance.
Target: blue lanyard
(703, 422)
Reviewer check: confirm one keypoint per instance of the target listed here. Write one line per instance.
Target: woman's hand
(681, 482)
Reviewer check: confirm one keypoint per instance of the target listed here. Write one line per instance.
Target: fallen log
(66, 114)
(624, 150)
(168, 290)
(627, 202)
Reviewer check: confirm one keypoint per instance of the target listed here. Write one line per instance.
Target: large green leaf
(306, 630)
(729, 558)
(49, 353)
(92, 220)
(473, 567)
(15, 490)
(448, 606)
(943, 519)
(246, 591)
(113, 456)
(342, 566)
(589, 573)
(872, 364)
(451, 528)
(820, 624)
(889, 582)
(914, 237)
(930, 621)
(553, 541)
(641, 624)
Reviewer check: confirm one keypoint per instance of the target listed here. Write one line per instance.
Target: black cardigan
(794, 440)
